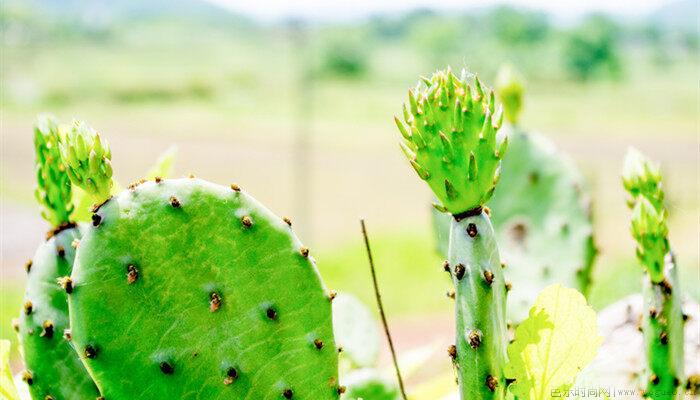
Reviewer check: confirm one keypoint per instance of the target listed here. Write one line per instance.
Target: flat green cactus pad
(542, 222)
(184, 289)
(53, 369)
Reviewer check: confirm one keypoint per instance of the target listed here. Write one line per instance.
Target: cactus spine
(662, 324)
(187, 289)
(449, 131)
(53, 368)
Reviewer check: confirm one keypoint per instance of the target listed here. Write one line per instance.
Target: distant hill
(678, 15)
(116, 10)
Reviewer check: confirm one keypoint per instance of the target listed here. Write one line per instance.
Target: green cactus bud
(452, 143)
(510, 89)
(650, 230)
(641, 177)
(56, 370)
(88, 161)
(53, 189)
(187, 289)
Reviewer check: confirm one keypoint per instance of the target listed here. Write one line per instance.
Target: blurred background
(294, 102)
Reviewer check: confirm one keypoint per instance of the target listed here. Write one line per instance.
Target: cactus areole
(662, 323)
(449, 136)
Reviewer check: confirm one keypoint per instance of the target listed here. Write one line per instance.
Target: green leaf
(552, 345)
(164, 165)
(7, 385)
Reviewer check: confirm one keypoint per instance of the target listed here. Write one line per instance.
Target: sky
(333, 10)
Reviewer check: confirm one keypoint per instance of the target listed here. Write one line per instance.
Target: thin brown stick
(381, 310)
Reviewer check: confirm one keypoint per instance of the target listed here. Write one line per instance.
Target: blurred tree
(591, 50)
(691, 41)
(346, 58)
(515, 26)
(655, 37)
(439, 39)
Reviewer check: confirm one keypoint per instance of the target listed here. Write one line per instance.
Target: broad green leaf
(552, 345)
(7, 385)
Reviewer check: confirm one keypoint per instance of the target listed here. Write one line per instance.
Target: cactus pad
(449, 131)
(184, 289)
(53, 369)
(540, 212)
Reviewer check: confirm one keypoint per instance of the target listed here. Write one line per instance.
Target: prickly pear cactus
(183, 289)
(662, 324)
(541, 213)
(449, 132)
(618, 360)
(53, 369)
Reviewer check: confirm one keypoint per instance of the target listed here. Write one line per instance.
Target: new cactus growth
(449, 130)
(541, 211)
(662, 323)
(183, 288)
(53, 369)
(88, 160)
